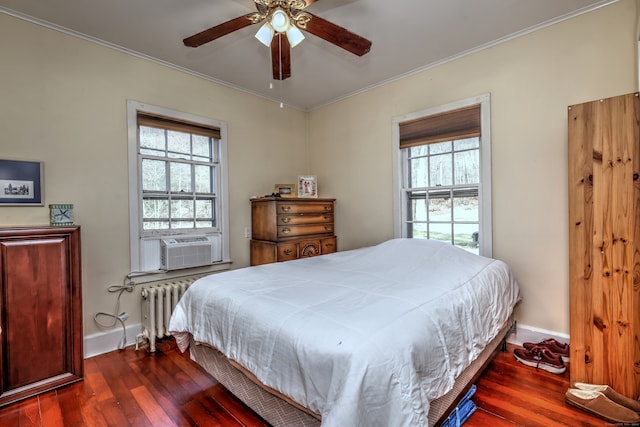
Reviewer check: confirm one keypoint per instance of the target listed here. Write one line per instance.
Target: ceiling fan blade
(337, 35)
(281, 57)
(219, 30)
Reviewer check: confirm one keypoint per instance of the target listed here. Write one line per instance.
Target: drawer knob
(286, 220)
(286, 208)
(286, 230)
(288, 251)
(327, 228)
(329, 245)
(327, 208)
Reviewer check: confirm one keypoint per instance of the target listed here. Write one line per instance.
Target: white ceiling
(407, 36)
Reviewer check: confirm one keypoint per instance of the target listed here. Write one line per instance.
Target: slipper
(600, 405)
(621, 399)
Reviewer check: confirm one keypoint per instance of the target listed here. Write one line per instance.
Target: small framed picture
(284, 190)
(21, 183)
(307, 186)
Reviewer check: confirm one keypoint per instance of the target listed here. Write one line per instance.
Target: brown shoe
(540, 357)
(621, 399)
(554, 346)
(600, 405)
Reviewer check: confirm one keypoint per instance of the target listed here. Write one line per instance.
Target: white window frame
(484, 191)
(137, 237)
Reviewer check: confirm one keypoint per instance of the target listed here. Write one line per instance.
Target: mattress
(365, 337)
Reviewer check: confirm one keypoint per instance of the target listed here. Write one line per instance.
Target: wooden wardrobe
(604, 242)
(41, 339)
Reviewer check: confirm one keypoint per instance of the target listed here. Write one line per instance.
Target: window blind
(145, 119)
(456, 124)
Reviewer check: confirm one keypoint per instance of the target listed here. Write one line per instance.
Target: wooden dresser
(284, 229)
(41, 310)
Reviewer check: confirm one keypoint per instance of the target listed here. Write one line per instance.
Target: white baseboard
(526, 333)
(104, 342)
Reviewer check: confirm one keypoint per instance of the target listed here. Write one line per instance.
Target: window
(177, 165)
(443, 169)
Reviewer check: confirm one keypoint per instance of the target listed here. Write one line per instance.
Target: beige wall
(532, 80)
(63, 101)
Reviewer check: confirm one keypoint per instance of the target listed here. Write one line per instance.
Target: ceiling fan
(281, 31)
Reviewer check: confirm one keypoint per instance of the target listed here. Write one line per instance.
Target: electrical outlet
(247, 232)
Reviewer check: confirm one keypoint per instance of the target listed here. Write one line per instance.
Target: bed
(375, 336)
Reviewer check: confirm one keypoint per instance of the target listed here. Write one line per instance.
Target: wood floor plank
(50, 411)
(483, 418)
(148, 374)
(150, 406)
(122, 379)
(70, 405)
(95, 378)
(29, 414)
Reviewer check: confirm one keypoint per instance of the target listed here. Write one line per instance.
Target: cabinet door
(604, 242)
(41, 314)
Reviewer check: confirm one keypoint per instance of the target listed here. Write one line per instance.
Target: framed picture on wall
(21, 183)
(285, 190)
(307, 186)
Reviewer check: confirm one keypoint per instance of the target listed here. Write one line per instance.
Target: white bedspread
(364, 337)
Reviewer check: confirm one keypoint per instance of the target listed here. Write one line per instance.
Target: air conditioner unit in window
(185, 252)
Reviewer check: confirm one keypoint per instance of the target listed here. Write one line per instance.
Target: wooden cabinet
(41, 310)
(604, 242)
(284, 229)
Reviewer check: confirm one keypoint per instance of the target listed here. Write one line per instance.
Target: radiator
(158, 302)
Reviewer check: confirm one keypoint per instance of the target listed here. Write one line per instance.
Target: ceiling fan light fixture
(280, 21)
(265, 34)
(295, 36)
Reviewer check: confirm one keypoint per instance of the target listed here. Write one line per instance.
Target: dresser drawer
(285, 231)
(312, 218)
(293, 207)
(329, 245)
(287, 251)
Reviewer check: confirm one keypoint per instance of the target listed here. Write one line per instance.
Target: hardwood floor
(129, 388)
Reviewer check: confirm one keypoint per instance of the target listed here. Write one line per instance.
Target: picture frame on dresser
(307, 186)
(284, 190)
(21, 183)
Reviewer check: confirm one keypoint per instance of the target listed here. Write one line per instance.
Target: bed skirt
(279, 411)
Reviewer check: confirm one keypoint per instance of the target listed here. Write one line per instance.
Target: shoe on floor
(540, 357)
(620, 399)
(600, 405)
(554, 346)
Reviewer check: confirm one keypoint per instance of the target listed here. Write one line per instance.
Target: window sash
(444, 196)
(179, 207)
